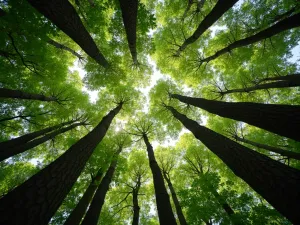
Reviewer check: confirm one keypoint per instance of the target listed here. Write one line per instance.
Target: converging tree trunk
(220, 8)
(64, 16)
(283, 25)
(37, 199)
(129, 10)
(93, 213)
(279, 119)
(11, 151)
(175, 200)
(289, 154)
(135, 202)
(28, 137)
(164, 209)
(80, 209)
(63, 47)
(277, 183)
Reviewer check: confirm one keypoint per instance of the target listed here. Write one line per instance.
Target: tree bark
(283, 25)
(129, 10)
(80, 209)
(164, 209)
(9, 93)
(135, 202)
(36, 200)
(277, 183)
(63, 47)
(220, 8)
(11, 151)
(279, 119)
(64, 16)
(93, 213)
(289, 154)
(175, 200)
(28, 137)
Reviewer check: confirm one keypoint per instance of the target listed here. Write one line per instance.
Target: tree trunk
(80, 209)
(292, 78)
(129, 14)
(175, 200)
(164, 209)
(279, 119)
(63, 47)
(135, 202)
(64, 16)
(93, 213)
(289, 154)
(220, 8)
(9, 93)
(11, 151)
(37, 199)
(277, 183)
(283, 25)
(28, 137)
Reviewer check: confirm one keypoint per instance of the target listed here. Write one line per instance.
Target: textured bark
(279, 119)
(64, 16)
(289, 81)
(11, 151)
(28, 137)
(283, 25)
(63, 47)
(164, 209)
(9, 93)
(220, 8)
(289, 154)
(135, 202)
(277, 183)
(129, 10)
(93, 213)
(175, 200)
(80, 209)
(37, 199)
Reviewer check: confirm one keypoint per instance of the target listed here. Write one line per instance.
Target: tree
(260, 177)
(63, 47)
(52, 183)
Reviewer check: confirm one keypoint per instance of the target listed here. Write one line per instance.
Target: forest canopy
(149, 112)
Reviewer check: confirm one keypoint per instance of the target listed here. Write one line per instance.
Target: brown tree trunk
(9, 93)
(80, 209)
(37, 199)
(129, 10)
(64, 16)
(164, 209)
(135, 202)
(220, 8)
(283, 25)
(28, 137)
(289, 154)
(175, 200)
(279, 119)
(277, 183)
(63, 47)
(11, 151)
(93, 213)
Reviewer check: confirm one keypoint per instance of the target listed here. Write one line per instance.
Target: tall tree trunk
(135, 202)
(37, 199)
(80, 209)
(289, 154)
(283, 25)
(63, 47)
(220, 8)
(93, 213)
(28, 137)
(292, 78)
(279, 119)
(164, 209)
(289, 81)
(9, 93)
(11, 151)
(175, 200)
(129, 10)
(64, 16)
(277, 183)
